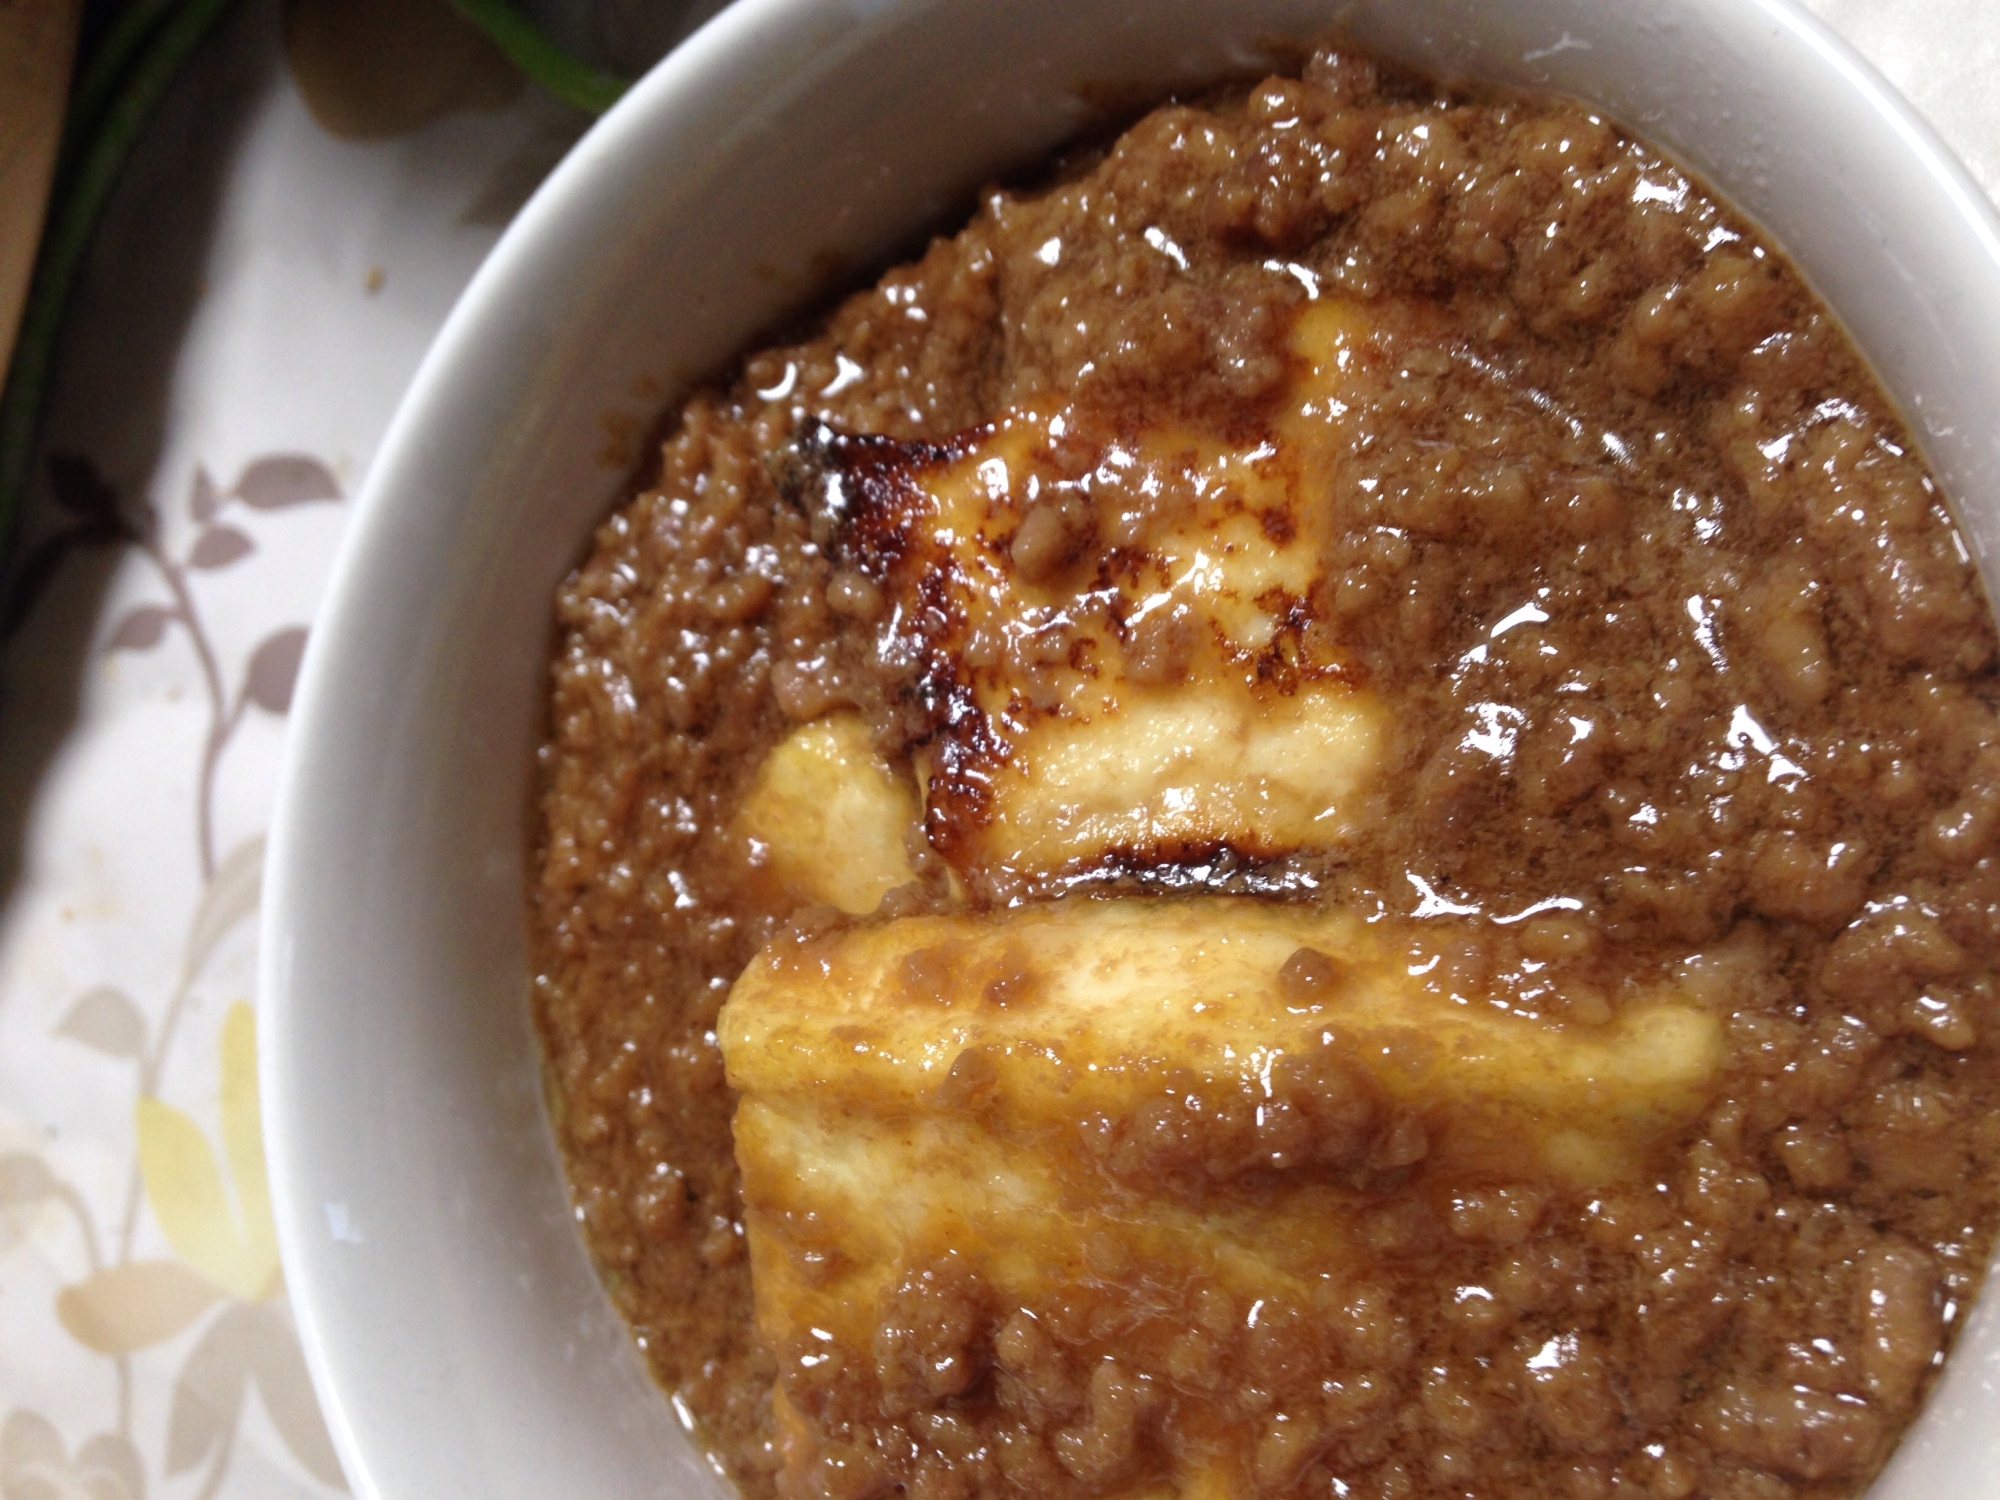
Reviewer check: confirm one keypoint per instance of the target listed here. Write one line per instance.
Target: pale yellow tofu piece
(1082, 1006)
(832, 816)
(981, 1095)
(1193, 770)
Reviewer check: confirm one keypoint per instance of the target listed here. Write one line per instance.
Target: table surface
(261, 291)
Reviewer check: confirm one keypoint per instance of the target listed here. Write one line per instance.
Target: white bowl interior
(459, 1339)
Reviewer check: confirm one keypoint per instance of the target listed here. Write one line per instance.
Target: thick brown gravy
(1682, 684)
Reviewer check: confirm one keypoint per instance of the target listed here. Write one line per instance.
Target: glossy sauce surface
(1474, 432)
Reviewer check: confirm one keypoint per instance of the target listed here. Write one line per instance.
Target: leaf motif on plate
(208, 1396)
(286, 479)
(232, 895)
(110, 1456)
(204, 499)
(29, 1441)
(280, 1367)
(33, 1465)
(274, 669)
(248, 1344)
(106, 1020)
(141, 629)
(134, 1306)
(218, 546)
(184, 1183)
(243, 1141)
(26, 1178)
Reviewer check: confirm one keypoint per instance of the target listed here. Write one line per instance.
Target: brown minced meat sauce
(1757, 608)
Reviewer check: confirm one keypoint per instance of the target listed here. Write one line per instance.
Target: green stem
(98, 78)
(72, 218)
(575, 83)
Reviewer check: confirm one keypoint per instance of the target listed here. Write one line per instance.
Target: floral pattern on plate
(264, 283)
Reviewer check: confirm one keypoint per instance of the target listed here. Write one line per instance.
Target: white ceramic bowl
(459, 1340)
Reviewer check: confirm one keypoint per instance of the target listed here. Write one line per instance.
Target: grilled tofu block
(1123, 634)
(1052, 1015)
(1114, 1105)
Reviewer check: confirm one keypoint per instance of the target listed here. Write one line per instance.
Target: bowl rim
(742, 41)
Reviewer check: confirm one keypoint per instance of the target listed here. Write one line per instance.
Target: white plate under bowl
(458, 1338)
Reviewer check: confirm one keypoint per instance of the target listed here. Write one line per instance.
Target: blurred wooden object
(369, 69)
(37, 47)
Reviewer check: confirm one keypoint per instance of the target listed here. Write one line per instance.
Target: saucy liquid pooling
(1346, 772)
